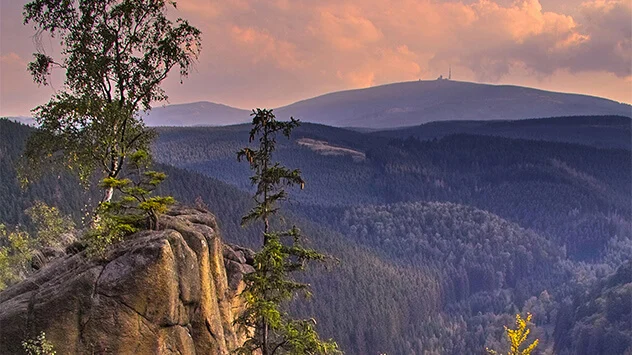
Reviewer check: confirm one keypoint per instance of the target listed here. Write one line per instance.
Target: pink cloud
(344, 28)
(261, 46)
(279, 51)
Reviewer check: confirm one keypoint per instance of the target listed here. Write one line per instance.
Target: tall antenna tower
(450, 72)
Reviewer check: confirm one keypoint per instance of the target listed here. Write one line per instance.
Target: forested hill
(597, 131)
(57, 189)
(440, 242)
(575, 194)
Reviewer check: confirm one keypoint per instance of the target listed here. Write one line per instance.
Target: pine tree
(269, 287)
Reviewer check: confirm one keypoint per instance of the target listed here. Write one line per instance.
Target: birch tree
(116, 54)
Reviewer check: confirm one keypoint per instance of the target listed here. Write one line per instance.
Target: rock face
(163, 292)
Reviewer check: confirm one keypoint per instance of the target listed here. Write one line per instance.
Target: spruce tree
(271, 329)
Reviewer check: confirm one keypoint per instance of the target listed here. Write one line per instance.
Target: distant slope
(196, 114)
(597, 131)
(368, 303)
(60, 189)
(417, 102)
(599, 321)
(577, 194)
(22, 119)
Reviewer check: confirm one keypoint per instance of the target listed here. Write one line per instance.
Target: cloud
(278, 51)
(344, 27)
(304, 48)
(12, 59)
(261, 46)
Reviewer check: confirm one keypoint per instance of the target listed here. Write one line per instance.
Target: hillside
(439, 243)
(578, 195)
(599, 321)
(597, 131)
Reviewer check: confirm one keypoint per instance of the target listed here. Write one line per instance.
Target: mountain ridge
(416, 102)
(200, 113)
(406, 104)
(402, 104)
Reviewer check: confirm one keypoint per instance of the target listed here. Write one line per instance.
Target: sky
(269, 53)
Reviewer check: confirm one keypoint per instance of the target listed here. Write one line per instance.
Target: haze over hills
(405, 104)
(201, 113)
(401, 105)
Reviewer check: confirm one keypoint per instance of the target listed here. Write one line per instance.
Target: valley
(439, 242)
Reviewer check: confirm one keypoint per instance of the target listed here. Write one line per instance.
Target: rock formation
(159, 292)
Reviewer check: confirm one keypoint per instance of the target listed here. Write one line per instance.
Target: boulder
(158, 292)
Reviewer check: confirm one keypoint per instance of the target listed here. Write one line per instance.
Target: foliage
(104, 232)
(135, 208)
(38, 346)
(115, 54)
(61, 190)
(268, 178)
(269, 287)
(517, 338)
(599, 320)
(16, 248)
(49, 224)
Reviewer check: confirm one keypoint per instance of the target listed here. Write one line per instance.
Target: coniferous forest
(421, 217)
(438, 241)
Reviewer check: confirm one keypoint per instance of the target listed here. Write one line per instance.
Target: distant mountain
(417, 102)
(597, 131)
(401, 105)
(202, 113)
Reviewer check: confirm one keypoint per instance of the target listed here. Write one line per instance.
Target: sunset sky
(268, 53)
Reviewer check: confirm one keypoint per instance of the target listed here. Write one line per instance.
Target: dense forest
(439, 242)
(576, 195)
(597, 131)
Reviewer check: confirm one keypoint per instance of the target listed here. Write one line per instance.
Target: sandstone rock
(163, 292)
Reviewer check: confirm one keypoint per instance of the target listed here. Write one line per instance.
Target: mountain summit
(404, 104)
(416, 102)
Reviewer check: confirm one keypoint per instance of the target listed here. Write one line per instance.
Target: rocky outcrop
(164, 292)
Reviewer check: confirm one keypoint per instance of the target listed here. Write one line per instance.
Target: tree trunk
(264, 348)
(107, 194)
(112, 173)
